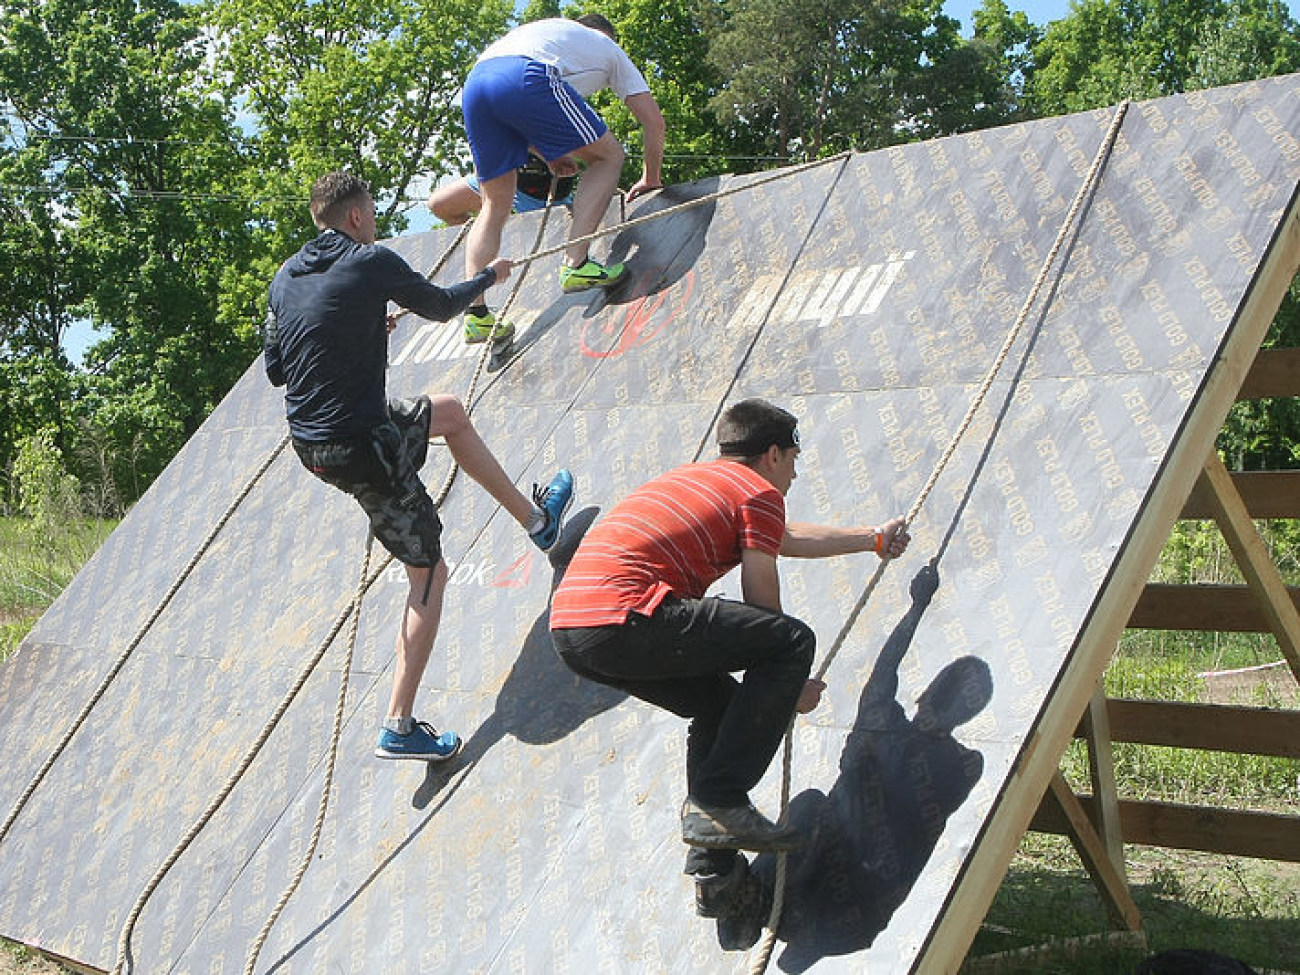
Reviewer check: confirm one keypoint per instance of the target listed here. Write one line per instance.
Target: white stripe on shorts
(571, 111)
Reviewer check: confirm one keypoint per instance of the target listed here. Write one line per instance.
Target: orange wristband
(880, 542)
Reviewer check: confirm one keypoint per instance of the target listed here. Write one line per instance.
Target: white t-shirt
(586, 58)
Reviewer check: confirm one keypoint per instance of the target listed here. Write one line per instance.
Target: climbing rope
(764, 951)
(687, 205)
(331, 760)
(353, 607)
(354, 613)
(135, 641)
(124, 938)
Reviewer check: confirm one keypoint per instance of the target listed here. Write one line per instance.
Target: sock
(480, 309)
(540, 518)
(401, 726)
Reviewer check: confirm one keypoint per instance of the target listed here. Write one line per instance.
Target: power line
(157, 195)
(132, 140)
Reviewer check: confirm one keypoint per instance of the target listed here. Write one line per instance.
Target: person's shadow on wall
(869, 838)
(541, 700)
(658, 254)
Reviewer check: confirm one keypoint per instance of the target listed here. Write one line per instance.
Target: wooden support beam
(1225, 609)
(1206, 727)
(1266, 494)
(1101, 767)
(1266, 836)
(1092, 851)
(1254, 560)
(1274, 373)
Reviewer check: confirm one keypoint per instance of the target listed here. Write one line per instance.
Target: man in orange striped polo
(631, 612)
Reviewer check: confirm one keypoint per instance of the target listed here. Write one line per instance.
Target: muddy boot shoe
(735, 828)
(716, 893)
(750, 909)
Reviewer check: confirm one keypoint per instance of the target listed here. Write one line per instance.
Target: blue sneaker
(554, 501)
(423, 743)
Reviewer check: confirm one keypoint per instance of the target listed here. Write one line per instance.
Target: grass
(1247, 909)
(1236, 906)
(36, 562)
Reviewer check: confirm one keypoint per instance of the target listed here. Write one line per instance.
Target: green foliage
(1109, 50)
(813, 78)
(36, 565)
(363, 85)
(155, 155)
(1243, 908)
(1265, 434)
(45, 492)
(128, 164)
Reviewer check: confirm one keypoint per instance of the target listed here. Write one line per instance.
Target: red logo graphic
(515, 575)
(637, 322)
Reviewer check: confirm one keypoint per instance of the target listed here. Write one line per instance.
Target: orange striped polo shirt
(677, 534)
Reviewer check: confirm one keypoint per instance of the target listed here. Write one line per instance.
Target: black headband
(756, 443)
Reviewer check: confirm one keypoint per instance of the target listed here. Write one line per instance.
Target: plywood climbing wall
(870, 295)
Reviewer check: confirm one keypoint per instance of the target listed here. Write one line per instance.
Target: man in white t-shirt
(527, 91)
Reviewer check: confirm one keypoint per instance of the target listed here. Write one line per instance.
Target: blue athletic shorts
(512, 103)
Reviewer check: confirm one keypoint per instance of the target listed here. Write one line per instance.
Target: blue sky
(1040, 12)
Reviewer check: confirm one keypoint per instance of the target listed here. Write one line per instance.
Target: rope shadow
(461, 774)
(871, 836)
(538, 677)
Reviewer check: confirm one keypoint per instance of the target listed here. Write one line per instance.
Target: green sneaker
(592, 274)
(480, 328)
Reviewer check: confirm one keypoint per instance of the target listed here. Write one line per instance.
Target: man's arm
(646, 109)
(760, 583)
(807, 541)
(413, 291)
(271, 348)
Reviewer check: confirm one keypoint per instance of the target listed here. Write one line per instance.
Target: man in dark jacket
(326, 342)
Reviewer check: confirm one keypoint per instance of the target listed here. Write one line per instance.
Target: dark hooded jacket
(326, 334)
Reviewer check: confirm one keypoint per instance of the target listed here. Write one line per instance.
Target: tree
(1253, 39)
(127, 166)
(816, 76)
(363, 85)
(1109, 50)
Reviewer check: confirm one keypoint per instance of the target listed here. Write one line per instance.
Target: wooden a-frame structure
(1101, 823)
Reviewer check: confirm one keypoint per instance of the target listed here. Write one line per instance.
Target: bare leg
(455, 203)
(604, 159)
(474, 458)
(483, 245)
(415, 637)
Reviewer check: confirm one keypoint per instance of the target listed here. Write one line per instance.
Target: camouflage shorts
(382, 471)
